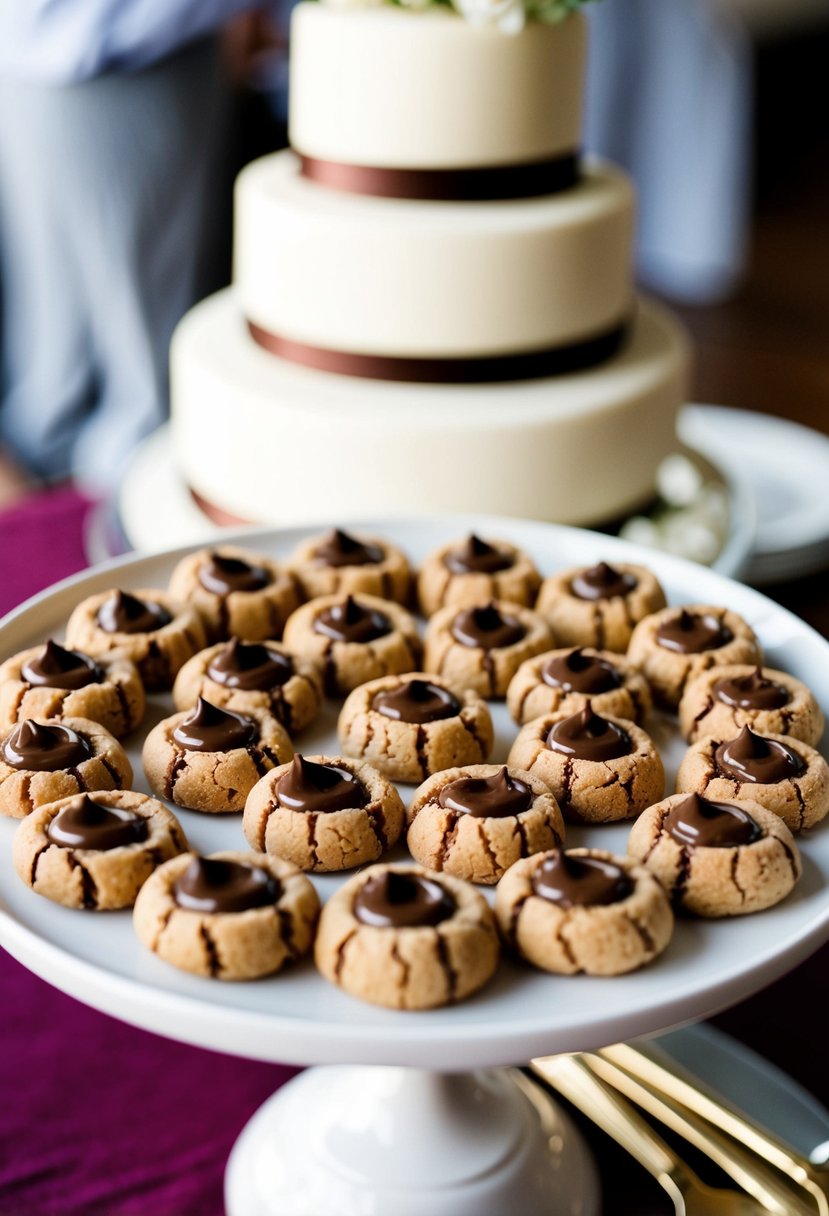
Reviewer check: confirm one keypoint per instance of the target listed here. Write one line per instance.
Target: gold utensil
(697, 1097)
(774, 1191)
(572, 1077)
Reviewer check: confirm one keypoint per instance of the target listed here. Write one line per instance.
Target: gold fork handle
(574, 1081)
(778, 1194)
(699, 1099)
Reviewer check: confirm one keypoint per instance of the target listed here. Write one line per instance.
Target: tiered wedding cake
(433, 306)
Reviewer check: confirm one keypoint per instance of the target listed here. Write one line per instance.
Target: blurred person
(669, 97)
(113, 145)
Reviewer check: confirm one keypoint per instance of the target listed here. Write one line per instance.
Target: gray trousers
(110, 194)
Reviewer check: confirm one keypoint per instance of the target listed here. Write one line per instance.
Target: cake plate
(400, 1118)
(153, 500)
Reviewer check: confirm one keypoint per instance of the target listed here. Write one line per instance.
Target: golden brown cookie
(235, 591)
(253, 675)
(338, 563)
(599, 605)
(209, 759)
(600, 768)
(725, 699)
(676, 645)
(482, 647)
(474, 571)
(475, 822)
(716, 858)
(415, 724)
(42, 761)
(783, 774)
(405, 938)
(96, 850)
(324, 813)
(149, 628)
(583, 910)
(354, 639)
(230, 916)
(52, 682)
(560, 681)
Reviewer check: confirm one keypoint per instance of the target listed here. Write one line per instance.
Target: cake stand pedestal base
(372, 1141)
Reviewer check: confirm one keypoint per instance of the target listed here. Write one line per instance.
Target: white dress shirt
(65, 41)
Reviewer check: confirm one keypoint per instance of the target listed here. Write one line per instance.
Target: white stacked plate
(786, 467)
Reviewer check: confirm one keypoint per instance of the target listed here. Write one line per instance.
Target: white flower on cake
(508, 15)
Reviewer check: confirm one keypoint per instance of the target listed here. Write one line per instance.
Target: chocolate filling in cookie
(37, 748)
(588, 736)
(602, 582)
(417, 701)
(125, 613)
(55, 667)
(476, 556)
(210, 885)
(692, 633)
(250, 666)
(349, 621)
(319, 787)
(580, 881)
(752, 757)
(86, 824)
(580, 672)
(338, 549)
(697, 823)
(487, 797)
(399, 900)
(210, 729)
(223, 575)
(487, 628)
(754, 691)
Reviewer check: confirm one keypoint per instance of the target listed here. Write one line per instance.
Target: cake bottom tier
(270, 442)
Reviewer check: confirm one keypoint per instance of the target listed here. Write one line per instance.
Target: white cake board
(298, 1017)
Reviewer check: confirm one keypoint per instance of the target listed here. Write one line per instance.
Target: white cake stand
(397, 1120)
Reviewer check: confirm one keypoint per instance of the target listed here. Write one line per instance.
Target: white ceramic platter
(750, 1083)
(297, 1016)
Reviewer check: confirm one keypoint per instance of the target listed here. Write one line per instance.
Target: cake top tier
(395, 88)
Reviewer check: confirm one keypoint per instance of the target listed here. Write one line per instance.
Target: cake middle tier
(392, 277)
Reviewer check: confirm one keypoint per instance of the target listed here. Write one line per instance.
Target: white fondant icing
(384, 86)
(399, 277)
(272, 442)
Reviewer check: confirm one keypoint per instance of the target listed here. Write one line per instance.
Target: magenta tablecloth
(96, 1118)
(99, 1119)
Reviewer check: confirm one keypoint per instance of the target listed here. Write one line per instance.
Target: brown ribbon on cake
(479, 369)
(472, 185)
